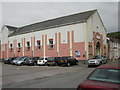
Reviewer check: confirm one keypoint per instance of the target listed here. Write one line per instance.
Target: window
(28, 45)
(38, 44)
(50, 43)
(19, 47)
(105, 75)
(11, 47)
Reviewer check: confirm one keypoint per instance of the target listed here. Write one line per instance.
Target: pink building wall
(64, 48)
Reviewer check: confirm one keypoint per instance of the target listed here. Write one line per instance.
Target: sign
(98, 37)
(77, 53)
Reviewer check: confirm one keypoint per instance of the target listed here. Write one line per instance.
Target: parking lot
(13, 75)
(44, 76)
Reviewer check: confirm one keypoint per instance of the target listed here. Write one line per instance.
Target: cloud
(23, 13)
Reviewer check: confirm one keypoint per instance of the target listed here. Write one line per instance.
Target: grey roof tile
(11, 28)
(65, 20)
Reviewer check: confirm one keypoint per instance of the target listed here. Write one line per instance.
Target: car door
(104, 59)
(25, 59)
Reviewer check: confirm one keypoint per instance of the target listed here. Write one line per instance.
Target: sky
(19, 14)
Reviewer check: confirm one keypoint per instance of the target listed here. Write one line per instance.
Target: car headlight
(18, 62)
(97, 61)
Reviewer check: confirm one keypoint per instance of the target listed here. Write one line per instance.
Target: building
(113, 48)
(80, 35)
(0, 48)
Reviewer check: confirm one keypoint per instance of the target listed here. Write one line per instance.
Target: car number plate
(49, 63)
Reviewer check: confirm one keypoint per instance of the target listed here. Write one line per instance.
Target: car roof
(109, 66)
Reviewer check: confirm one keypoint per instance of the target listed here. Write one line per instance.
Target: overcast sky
(23, 13)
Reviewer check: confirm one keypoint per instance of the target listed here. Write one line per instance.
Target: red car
(105, 77)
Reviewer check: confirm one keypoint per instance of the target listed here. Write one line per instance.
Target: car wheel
(76, 63)
(105, 62)
(89, 66)
(100, 63)
(21, 64)
(68, 64)
(56, 64)
(45, 64)
(35, 64)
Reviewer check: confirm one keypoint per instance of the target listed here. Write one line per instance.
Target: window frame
(38, 45)
(11, 47)
(28, 45)
(19, 47)
(51, 46)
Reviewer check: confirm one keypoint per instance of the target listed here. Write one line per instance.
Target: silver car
(97, 60)
(15, 60)
(21, 61)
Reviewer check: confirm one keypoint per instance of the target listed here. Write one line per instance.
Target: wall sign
(98, 37)
(77, 53)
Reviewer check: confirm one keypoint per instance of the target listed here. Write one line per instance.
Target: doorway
(98, 48)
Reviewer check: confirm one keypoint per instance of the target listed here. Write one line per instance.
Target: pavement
(15, 74)
(0, 76)
(39, 76)
(53, 77)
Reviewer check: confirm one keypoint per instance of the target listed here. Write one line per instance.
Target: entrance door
(98, 48)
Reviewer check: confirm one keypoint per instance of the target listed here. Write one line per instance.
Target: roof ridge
(11, 26)
(59, 17)
(55, 22)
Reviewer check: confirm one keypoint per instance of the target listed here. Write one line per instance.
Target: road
(44, 76)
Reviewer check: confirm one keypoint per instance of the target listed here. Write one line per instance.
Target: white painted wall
(11, 40)
(79, 32)
(92, 23)
(50, 34)
(77, 28)
(38, 36)
(4, 35)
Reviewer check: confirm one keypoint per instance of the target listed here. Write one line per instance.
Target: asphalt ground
(44, 76)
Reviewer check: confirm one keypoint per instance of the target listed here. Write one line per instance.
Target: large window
(28, 45)
(38, 44)
(11, 47)
(19, 47)
(50, 43)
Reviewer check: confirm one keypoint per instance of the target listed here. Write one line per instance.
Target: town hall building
(81, 35)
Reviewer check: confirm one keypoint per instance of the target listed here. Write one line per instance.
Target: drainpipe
(71, 43)
(32, 44)
(86, 40)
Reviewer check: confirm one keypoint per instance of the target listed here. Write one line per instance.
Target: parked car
(42, 61)
(67, 61)
(15, 60)
(31, 61)
(21, 61)
(2, 60)
(9, 60)
(97, 60)
(104, 77)
(53, 61)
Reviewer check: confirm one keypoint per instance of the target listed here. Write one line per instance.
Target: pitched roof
(61, 21)
(11, 28)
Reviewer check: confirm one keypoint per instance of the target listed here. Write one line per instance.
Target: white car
(97, 60)
(42, 61)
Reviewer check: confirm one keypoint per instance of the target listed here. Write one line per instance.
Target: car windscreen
(106, 75)
(51, 58)
(20, 59)
(41, 58)
(63, 58)
(7, 59)
(97, 57)
(34, 58)
(17, 58)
